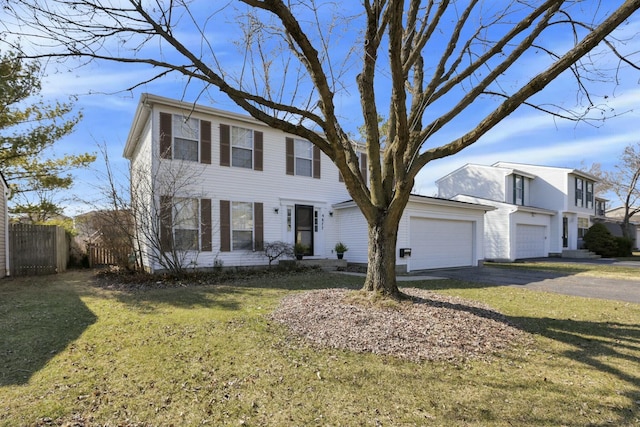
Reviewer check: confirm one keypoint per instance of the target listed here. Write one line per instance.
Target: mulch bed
(426, 327)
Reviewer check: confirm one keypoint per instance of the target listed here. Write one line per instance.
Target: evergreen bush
(600, 240)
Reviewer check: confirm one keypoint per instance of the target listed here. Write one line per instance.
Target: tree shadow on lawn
(226, 292)
(39, 317)
(608, 346)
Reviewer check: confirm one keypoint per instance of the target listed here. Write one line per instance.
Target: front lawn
(75, 354)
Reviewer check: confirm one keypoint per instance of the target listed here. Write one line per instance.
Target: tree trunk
(381, 270)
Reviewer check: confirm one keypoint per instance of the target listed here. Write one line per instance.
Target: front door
(565, 232)
(304, 227)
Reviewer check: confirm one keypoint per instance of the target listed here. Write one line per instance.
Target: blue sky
(527, 136)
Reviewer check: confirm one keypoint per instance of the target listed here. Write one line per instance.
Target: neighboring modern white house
(222, 184)
(540, 211)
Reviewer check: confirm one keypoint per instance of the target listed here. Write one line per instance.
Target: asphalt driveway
(562, 283)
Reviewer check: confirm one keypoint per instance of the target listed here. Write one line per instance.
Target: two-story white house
(220, 184)
(540, 210)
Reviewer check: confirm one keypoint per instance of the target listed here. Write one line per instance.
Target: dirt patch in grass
(427, 326)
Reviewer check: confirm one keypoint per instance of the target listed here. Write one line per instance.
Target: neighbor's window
(242, 225)
(583, 226)
(186, 224)
(303, 152)
(186, 135)
(589, 194)
(579, 192)
(518, 190)
(241, 147)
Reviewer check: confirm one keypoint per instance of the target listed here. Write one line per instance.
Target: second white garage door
(440, 243)
(530, 241)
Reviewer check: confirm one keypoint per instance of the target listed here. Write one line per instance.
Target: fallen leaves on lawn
(427, 326)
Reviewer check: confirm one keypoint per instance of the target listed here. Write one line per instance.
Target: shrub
(625, 246)
(340, 247)
(599, 240)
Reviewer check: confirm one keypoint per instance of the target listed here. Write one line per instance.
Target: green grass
(209, 355)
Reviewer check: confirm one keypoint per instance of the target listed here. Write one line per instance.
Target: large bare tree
(624, 182)
(422, 65)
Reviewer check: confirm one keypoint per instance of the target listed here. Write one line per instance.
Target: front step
(579, 253)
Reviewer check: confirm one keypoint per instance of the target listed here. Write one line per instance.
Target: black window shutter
(257, 150)
(290, 159)
(225, 226)
(316, 162)
(225, 145)
(259, 226)
(165, 136)
(205, 142)
(205, 225)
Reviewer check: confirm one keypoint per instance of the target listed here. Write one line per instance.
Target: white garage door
(530, 241)
(439, 243)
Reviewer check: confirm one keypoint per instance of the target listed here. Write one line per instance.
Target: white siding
(353, 232)
(474, 180)
(141, 173)
(497, 238)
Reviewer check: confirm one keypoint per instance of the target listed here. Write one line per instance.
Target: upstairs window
(185, 138)
(601, 207)
(303, 152)
(362, 158)
(579, 192)
(589, 194)
(518, 190)
(241, 147)
(302, 158)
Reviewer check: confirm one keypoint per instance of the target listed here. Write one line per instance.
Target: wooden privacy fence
(37, 249)
(105, 255)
